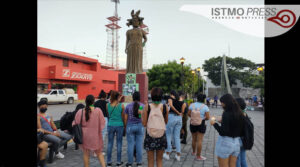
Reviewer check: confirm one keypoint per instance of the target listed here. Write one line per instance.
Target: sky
(77, 26)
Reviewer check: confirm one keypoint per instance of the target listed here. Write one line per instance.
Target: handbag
(77, 131)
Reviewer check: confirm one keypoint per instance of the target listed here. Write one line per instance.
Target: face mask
(43, 110)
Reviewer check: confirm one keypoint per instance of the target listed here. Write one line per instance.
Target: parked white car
(58, 96)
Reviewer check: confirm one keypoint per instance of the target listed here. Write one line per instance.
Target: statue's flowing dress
(134, 51)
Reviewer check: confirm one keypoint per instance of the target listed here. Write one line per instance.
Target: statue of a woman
(134, 44)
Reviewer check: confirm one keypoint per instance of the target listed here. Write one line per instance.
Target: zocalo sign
(76, 75)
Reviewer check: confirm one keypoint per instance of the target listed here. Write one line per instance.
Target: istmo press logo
(256, 20)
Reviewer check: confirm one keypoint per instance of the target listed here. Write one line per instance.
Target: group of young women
(155, 126)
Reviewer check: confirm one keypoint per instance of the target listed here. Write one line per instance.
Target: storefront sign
(76, 75)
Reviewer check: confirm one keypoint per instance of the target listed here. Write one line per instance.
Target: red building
(56, 70)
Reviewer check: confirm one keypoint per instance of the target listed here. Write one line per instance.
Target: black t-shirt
(230, 126)
(102, 105)
(177, 104)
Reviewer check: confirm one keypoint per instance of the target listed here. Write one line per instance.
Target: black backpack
(248, 134)
(66, 121)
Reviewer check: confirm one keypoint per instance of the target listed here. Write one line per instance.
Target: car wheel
(70, 101)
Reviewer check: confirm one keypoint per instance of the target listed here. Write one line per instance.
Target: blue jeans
(112, 130)
(104, 131)
(227, 146)
(173, 130)
(57, 141)
(135, 136)
(241, 160)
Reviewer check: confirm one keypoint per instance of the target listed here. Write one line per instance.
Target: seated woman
(51, 135)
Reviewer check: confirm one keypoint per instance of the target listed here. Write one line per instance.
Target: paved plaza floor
(255, 157)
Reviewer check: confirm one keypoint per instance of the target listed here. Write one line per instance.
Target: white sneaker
(60, 155)
(103, 153)
(177, 157)
(166, 156)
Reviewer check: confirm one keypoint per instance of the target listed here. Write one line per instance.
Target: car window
(54, 93)
(61, 92)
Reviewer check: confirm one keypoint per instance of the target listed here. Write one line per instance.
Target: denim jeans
(112, 130)
(241, 160)
(57, 141)
(135, 136)
(173, 131)
(227, 146)
(104, 131)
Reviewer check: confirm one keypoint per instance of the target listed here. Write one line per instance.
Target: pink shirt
(91, 130)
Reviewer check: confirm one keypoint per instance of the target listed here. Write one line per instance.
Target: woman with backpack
(231, 129)
(198, 112)
(115, 126)
(93, 122)
(241, 160)
(174, 124)
(155, 118)
(134, 129)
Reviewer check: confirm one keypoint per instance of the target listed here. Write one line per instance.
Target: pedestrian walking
(228, 144)
(174, 125)
(134, 130)
(115, 126)
(216, 101)
(185, 117)
(255, 103)
(155, 118)
(199, 112)
(241, 160)
(51, 133)
(101, 103)
(93, 122)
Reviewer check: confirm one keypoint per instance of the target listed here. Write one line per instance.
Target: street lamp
(198, 71)
(182, 79)
(193, 72)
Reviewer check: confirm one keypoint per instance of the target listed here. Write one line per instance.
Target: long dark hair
(114, 95)
(89, 100)
(174, 93)
(136, 98)
(232, 106)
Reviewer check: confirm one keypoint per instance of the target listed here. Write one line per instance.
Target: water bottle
(140, 108)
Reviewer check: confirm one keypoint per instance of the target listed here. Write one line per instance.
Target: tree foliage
(168, 77)
(237, 69)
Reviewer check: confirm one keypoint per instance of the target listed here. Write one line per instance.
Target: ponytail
(136, 106)
(87, 113)
(89, 100)
(136, 98)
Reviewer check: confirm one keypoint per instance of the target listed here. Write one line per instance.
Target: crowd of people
(158, 127)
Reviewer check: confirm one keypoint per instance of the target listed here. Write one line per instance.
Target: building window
(65, 62)
(75, 61)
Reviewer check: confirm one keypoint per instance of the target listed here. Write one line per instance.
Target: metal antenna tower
(112, 47)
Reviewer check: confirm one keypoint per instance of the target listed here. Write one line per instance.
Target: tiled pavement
(255, 157)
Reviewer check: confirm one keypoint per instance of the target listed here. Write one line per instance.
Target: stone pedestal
(141, 80)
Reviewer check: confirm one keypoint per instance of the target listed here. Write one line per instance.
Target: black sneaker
(109, 164)
(139, 165)
(120, 164)
(128, 165)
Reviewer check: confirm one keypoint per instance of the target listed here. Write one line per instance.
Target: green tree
(237, 68)
(168, 77)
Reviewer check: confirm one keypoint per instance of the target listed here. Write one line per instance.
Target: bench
(65, 144)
